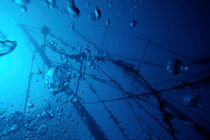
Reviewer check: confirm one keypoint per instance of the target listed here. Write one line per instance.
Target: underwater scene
(104, 70)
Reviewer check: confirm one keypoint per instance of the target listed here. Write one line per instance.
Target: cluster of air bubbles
(22, 3)
(30, 126)
(91, 64)
(72, 9)
(50, 3)
(133, 8)
(92, 61)
(135, 4)
(175, 66)
(53, 45)
(58, 78)
(96, 15)
(38, 124)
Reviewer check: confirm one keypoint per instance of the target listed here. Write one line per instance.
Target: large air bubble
(58, 78)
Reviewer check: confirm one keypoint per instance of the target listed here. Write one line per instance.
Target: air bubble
(23, 4)
(133, 23)
(7, 47)
(72, 9)
(108, 22)
(96, 15)
(51, 3)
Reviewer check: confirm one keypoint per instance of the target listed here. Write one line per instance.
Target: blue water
(108, 69)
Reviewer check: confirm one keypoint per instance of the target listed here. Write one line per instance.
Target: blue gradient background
(182, 26)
